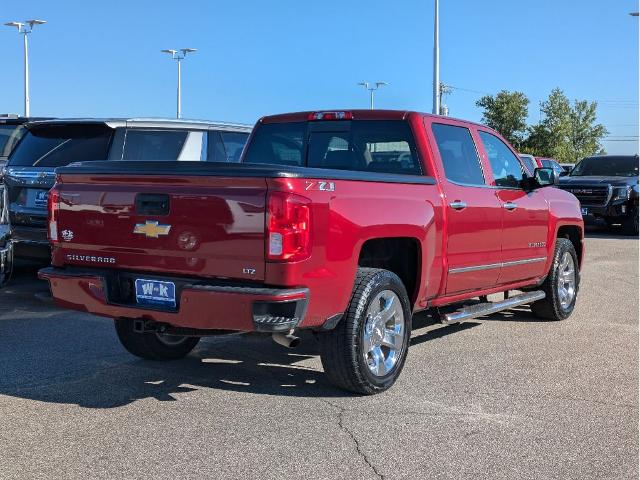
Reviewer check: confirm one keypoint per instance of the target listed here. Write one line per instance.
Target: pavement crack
(354, 439)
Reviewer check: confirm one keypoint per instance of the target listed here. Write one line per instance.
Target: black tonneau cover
(233, 170)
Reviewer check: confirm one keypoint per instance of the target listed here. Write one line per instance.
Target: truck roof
(150, 123)
(359, 115)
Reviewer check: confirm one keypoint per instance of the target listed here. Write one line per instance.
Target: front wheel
(366, 351)
(153, 345)
(561, 284)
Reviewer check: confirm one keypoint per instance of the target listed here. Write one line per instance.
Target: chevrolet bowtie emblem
(151, 229)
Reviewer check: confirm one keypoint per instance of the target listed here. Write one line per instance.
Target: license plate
(155, 292)
(41, 197)
(585, 211)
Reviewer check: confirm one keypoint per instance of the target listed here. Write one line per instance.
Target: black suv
(607, 187)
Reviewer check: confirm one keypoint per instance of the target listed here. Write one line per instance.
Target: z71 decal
(321, 186)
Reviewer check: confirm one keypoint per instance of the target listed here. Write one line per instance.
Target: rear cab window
(381, 146)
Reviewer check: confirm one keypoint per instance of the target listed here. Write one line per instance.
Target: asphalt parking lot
(505, 396)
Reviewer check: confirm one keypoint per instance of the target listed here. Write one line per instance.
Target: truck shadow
(76, 359)
(57, 356)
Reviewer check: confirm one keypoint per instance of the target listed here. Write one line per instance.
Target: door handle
(458, 205)
(510, 206)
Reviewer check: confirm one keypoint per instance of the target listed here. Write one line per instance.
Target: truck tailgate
(195, 226)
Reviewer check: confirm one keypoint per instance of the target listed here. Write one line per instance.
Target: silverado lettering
(425, 212)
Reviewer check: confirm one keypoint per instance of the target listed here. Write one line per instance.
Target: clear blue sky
(258, 57)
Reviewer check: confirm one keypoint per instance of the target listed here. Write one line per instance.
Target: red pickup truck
(344, 223)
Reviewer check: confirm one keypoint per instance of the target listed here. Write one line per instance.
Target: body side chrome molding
(490, 266)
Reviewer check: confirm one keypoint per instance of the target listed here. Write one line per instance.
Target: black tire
(630, 222)
(341, 349)
(150, 345)
(550, 307)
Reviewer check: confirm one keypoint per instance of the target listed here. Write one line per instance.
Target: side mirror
(564, 173)
(546, 177)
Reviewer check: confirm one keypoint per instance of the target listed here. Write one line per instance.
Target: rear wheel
(153, 345)
(366, 351)
(561, 284)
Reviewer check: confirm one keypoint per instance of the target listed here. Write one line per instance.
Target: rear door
(525, 215)
(473, 215)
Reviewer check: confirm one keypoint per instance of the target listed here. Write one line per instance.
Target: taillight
(288, 227)
(53, 207)
(330, 116)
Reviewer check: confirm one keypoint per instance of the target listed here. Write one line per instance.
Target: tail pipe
(286, 340)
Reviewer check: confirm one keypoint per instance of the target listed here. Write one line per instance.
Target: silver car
(29, 173)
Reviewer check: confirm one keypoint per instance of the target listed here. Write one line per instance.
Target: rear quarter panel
(342, 221)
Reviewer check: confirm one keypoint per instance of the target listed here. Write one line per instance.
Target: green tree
(507, 113)
(586, 134)
(566, 133)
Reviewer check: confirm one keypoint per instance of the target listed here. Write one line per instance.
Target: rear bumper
(200, 307)
(31, 242)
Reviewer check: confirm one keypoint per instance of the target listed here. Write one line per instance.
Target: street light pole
(25, 28)
(372, 88)
(436, 59)
(178, 57)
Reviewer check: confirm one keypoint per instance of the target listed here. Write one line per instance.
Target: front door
(473, 214)
(525, 215)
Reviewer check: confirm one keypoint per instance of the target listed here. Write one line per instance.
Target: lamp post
(372, 87)
(25, 28)
(178, 56)
(436, 59)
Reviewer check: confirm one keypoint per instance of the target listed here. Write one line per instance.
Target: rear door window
(60, 145)
(160, 145)
(458, 154)
(506, 167)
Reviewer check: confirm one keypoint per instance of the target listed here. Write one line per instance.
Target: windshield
(9, 136)
(607, 166)
(363, 145)
(60, 145)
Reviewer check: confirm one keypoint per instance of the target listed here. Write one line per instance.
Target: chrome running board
(481, 309)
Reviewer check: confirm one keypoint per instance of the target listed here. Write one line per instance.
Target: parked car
(55, 143)
(343, 223)
(529, 162)
(544, 162)
(11, 131)
(567, 167)
(607, 188)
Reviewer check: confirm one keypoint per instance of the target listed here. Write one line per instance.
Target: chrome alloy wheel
(383, 333)
(566, 281)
